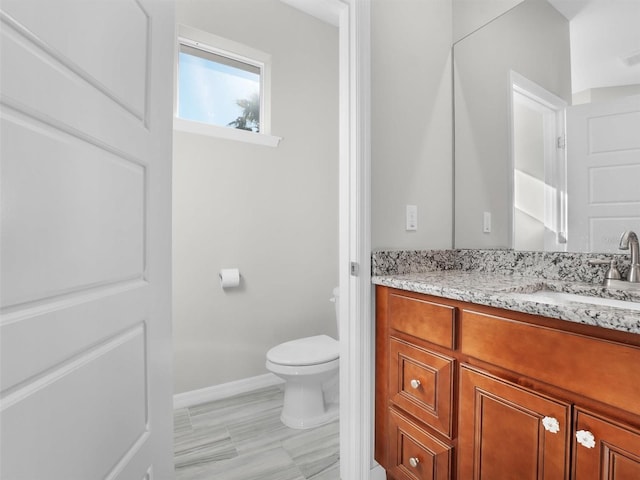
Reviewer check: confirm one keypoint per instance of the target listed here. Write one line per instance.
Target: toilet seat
(305, 351)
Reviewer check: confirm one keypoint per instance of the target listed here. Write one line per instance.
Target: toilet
(310, 368)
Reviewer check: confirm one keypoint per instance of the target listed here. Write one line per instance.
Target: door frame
(354, 267)
(554, 158)
(352, 17)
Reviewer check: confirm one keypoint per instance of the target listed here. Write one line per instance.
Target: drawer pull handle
(415, 383)
(551, 424)
(586, 438)
(414, 461)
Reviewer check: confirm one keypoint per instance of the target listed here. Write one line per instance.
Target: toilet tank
(336, 303)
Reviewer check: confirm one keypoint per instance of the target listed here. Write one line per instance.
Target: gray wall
(470, 15)
(411, 122)
(271, 212)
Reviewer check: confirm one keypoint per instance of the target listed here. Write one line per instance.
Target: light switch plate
(486, 222)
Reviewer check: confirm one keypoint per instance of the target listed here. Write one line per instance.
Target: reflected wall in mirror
(521, 180)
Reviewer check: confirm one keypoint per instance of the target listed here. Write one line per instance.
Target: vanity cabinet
(473, 392)
(415, 377)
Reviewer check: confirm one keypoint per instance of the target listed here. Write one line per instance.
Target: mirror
(547, 154)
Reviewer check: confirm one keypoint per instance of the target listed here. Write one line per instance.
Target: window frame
(209, 42)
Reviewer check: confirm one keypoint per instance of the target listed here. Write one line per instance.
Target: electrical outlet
(412, 218)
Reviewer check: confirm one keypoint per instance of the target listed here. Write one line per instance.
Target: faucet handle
(629, 241)
(612, 272)
(626, 237)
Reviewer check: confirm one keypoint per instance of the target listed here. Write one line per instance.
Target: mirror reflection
(547, 115)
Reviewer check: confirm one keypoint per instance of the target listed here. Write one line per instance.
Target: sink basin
(561, 298)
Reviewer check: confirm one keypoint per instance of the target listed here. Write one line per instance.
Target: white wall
(411, 122)
(271, 212)
(529, 177)
(470, 15)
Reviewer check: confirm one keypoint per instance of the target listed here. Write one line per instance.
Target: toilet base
(331, 413)
(308, 405)
(311, 392)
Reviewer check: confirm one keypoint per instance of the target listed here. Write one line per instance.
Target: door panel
(115, 405)
(501, 432)
(603, 165)
(105, 43)
(86, 115)
(615, 455)
(90, 107)
(61, 235)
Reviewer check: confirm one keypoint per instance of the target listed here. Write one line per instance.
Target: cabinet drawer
(414, 454)
(421, 382)
(595, 368)
(427, 320)
(615, 454)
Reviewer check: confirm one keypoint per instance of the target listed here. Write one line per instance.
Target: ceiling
(605, 42)
(326, 10)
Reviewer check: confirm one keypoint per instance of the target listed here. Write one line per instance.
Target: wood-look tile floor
(242, 438)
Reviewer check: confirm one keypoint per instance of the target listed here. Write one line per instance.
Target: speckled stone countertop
(506, 287)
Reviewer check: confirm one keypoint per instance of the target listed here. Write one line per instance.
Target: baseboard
(225, 390)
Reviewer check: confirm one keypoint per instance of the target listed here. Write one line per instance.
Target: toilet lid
(305, 351)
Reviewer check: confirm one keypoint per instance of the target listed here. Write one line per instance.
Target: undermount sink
(624, 285)
(561, 298)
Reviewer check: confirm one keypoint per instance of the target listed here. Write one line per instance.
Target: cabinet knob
(415, 383)
(551, 424)
(413, 461)
(586, 438)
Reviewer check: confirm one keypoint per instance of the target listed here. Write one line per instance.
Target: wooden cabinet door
(605, 450)
(507, 432)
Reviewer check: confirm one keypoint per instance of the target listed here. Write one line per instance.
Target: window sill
(189, 126)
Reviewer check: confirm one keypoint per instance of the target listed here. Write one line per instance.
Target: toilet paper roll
(229, 277)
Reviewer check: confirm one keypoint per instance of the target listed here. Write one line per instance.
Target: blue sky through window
(207, 90)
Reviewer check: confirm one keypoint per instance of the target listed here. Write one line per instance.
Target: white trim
(525, 86)
(554, 161)
(225, 390)
(243, 52)
(227, 133)
(356, 334)
(216, 50)
(356, 323)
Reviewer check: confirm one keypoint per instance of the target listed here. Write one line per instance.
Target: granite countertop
(511, 292)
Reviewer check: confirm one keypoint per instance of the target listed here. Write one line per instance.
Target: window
(222, 88)
(214, 88)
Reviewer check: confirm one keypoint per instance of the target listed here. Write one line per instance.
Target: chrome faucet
(630, 240)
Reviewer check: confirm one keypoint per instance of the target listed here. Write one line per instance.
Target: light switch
(412, 217)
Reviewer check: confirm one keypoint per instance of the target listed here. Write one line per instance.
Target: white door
(85, 254)
(603, 173)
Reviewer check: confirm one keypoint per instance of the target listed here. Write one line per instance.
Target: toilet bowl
(310, 368)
